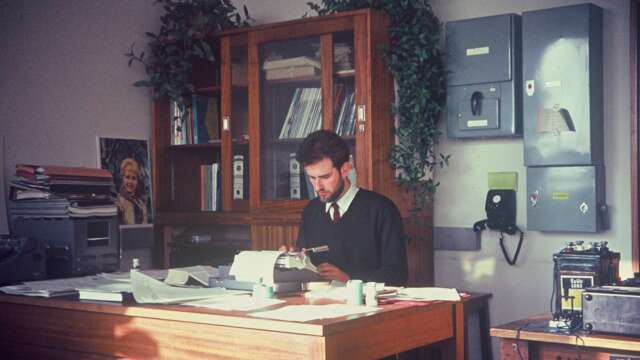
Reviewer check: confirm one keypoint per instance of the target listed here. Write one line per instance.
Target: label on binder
(294, 176)
(238, 173)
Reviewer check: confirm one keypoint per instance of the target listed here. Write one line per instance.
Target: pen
(318, 249)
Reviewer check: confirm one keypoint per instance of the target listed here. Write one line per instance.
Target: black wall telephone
(500, 206)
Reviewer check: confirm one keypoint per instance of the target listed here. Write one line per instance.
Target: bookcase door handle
(225, 123)
(361, 117)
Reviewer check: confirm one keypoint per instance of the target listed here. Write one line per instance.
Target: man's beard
(336, 194)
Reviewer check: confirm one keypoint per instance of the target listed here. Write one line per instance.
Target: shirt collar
(345, 200)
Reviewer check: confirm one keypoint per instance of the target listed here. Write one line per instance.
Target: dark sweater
(367, 243)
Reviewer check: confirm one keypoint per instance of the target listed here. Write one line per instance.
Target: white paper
(255, 265)
(149, 290)
(235, 302)
(57, 287)
(157, 274)
(427, 294)
(338, 291)
(313, 312)
(200, 273)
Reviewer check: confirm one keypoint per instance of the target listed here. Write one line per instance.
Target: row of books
(304, 115)
(197, 124)
(210, 194)
(345, 118)
(46, 191)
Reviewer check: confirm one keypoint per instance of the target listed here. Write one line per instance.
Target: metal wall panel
(562, 90)
(566, 198)
(483, 57)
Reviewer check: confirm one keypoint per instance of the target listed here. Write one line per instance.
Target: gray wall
(64, 81)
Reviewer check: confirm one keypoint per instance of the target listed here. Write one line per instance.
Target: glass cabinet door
(239, 126)
(344, 92)
(194, 138)
(291, 107)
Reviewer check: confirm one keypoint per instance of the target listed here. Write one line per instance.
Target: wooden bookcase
(327, 59)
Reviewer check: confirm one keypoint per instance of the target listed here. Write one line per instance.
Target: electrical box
(566, 198)
(484, 66)
(562, 90)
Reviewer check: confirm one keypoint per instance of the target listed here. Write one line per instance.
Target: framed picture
(128, 161)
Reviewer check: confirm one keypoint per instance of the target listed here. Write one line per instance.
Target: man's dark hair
(323, 144)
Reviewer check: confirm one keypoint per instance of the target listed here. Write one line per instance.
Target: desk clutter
(48, 191)
(249, 284)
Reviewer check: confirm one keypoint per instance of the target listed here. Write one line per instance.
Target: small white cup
(354, 292)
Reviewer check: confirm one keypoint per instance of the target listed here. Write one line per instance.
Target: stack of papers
(58, 287)
(114, 291)
(255, 266)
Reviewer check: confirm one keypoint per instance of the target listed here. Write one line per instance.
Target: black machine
(500, 206)
(74, 246)
(576, 268)
(21, 259)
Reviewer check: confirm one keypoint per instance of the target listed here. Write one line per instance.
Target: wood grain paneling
(272, 237)
(225, 111)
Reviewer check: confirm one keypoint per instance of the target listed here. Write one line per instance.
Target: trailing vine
(415, 59)
(180, 42)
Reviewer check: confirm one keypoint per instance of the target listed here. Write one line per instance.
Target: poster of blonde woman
(128, 161)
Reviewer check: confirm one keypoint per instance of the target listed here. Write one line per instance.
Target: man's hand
(331, 272)
(290, 249)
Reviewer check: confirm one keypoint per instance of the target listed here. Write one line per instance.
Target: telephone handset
(500, 206)
(476, 103)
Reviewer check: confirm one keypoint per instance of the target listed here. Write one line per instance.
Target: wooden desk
(57, 328)
(534, 341)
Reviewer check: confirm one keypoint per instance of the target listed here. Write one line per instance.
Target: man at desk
(362, 229)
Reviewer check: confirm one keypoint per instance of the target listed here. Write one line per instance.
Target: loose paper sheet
(427, 294)
(200, 273)
(314, 312)
(149, 290)
(255, 265)
(235, 302)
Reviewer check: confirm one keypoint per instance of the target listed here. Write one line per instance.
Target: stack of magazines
(45, 191)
